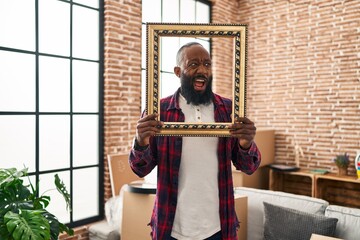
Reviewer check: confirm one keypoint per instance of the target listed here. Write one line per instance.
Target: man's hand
(245, 130)
(147, 127)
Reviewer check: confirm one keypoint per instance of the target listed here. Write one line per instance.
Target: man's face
(188, 90)
(196, 75)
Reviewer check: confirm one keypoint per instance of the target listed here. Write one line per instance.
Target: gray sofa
(348, 219)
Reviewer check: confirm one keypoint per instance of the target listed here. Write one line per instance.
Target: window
(51, 99)
(171, 11)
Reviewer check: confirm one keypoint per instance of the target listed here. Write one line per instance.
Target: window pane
(17, 28)
(85, 33)
(57, 204)
(85, 99)
(205, 43)
(151, 10)
(187, 11)
(86, 193)
(17, 81)
(90, 3)
(86, 144)
(54, 27)
(169, 46)
(184, 40)
(54, 84)
(28, 179)
(202, 13)
(171, 11)
(54, 138)
(169, 84)
(17, 141)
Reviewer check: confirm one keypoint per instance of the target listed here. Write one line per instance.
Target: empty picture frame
(156, 31)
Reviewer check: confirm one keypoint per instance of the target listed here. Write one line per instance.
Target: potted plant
(23, 213)
(342, 161)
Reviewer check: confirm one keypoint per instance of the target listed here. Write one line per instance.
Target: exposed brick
(303, 74)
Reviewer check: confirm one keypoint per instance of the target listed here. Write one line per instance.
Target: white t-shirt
(197, 211)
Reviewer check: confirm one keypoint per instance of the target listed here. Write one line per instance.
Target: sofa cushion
(348, 226)
(103, 231)
(256, 197)
(283, 223)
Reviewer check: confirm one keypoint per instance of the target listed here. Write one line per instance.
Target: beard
(195, 97)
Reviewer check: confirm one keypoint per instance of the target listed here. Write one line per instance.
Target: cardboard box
(137, 209)
(259, 179)
(241, 209)
(265, 140)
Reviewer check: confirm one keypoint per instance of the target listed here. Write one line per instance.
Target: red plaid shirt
(165, 152)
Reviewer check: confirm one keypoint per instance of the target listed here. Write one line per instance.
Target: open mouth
(200, 84)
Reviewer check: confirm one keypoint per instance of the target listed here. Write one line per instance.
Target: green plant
(23, 213)
(342, 160)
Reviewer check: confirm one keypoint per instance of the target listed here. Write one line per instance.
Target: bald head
(180, 53)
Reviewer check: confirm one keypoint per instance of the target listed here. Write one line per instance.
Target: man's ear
(177, 71)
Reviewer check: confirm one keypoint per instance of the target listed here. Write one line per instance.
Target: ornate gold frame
(238, 33)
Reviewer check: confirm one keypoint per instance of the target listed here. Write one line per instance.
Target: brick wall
(80, 233)
(304, 76)
(223, 12)
(122, 77)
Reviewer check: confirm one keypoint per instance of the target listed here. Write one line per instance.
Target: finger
(242, 134)
(144, 130)
(149, 117)
(144, 133)
(150, 123)
(247, 137)
(149, 120)
(244, 120)
(242, 126)
(244, 129)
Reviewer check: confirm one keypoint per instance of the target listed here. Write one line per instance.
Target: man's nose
(203, 69)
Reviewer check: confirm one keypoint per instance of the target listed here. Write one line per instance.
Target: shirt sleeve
(142, 162)
(246, 161)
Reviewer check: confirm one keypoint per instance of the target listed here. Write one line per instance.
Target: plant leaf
(4, 233)
(10, 174)
(64, 228)
(41, 202)
(60, 186)
(22, 212)
(14, 197)
(28, 225)
(55, 226)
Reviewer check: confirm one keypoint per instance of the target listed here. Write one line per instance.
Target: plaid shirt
(165, 152)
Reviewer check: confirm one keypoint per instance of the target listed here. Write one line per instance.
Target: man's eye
(207, 64)
(193, 65)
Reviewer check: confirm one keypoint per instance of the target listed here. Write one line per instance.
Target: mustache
(200, 76)
(191, 96)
